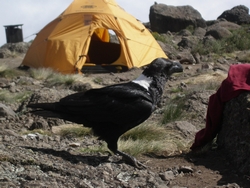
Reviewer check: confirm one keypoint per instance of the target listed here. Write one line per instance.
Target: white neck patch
(143, 81)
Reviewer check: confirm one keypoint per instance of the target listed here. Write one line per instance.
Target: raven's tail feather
(44, 106)
(46, 114)
(44, 110)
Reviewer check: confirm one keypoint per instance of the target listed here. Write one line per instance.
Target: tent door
(104, 51)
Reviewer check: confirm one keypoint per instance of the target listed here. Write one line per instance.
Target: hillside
(38, 152)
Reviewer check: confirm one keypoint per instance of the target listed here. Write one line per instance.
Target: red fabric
(238, 80)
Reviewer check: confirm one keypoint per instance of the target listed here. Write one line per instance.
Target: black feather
(111, 111)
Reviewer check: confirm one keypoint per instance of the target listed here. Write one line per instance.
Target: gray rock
(218, 32)
(221, 29)
(40, 124)
(199, 32)
(165, 18)
(186, 129)
(238, 14)
(186, 57)
(5, 111)
(234, 135)
(188, 42)
(167, 176)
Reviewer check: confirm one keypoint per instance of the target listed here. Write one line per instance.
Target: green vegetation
(244, 56)
(190, 28)
(53, 78)
(172, 112)
(7, 72)
(60, 79)
(98, 80)
(147, 139)
(163, 143)
(75, 131)
(8, 97)
(238, 41)
(95, 149)
(149, 132)
(165, 38)
(39, 131)
(41, 73)
(151, 138)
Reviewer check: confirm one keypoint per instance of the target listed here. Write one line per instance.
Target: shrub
(41, 73)
(75, 131)
(172, 112)
(7, 72)
(6, 96)
(239, 40)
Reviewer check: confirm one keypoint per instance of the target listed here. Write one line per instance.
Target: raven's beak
(176, 67)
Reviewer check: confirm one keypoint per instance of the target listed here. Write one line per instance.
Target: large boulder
(238, 14)
(234, 136)
(221, 29)
(165, 18)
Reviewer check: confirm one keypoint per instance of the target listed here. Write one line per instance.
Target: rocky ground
(50, 160)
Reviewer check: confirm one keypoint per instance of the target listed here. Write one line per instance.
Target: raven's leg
(130, 159)
(112, 145)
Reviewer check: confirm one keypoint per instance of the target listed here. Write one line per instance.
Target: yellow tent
(81, 37)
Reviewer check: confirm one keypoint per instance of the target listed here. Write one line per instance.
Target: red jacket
(238, 80)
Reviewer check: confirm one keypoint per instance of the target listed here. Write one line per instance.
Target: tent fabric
(238, 81)
(64, 43)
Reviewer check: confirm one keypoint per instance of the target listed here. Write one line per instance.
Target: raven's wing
(117, 104)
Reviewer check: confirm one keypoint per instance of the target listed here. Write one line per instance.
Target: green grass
(93, 149)
(40, 131)
(53, 78)
(165, 38)
(147, 138)
(60, 79)
(7, 72)
(41, 73)
(172, 112)
(6, 96)
(149, 132)
(244, 56)
(75, 131)
(165, 143)
(98, 80)
(238, 41)
(152, 139)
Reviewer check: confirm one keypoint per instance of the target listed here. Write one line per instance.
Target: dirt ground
(208, 169)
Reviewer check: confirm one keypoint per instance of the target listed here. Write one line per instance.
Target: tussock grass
(6, 96)
(204, 86)
(146, 138)
(174, 108)
(173, 112)
(7, 72)
(152, 139)
(53, 78)
(75, 131)
(140, 147)
(41, 73)
(60, 79)
(39, 131)
(166, 143)
(145, 131)
(95, 149)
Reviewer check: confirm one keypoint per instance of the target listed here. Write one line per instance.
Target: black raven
(111, 111)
